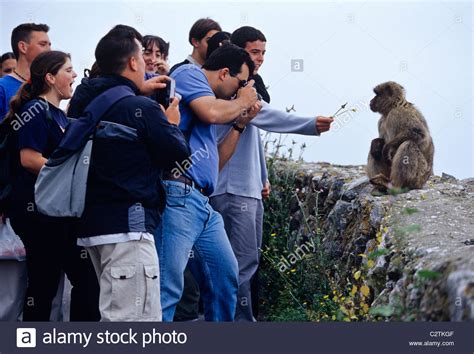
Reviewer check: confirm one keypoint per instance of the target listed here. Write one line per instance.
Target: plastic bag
(11, 247)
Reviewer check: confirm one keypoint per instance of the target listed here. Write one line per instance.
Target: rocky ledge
(412, 253)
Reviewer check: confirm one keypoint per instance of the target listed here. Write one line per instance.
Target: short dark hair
(201, 27)
(162, 45)
(6, 56)
(241, 36)
(115, 48)
(217, 40)
(22, 33)
(229, 56)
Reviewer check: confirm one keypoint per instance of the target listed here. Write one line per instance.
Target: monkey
(402, 156)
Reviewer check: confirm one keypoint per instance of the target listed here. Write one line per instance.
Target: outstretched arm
(276, 121)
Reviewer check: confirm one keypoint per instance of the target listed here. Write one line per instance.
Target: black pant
(50, 248)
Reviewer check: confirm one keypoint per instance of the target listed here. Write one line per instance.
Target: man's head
(217, 40)
(228, 69)
(7, 64)
(30, 39)
(253, 41)
(200, 32)
(119, 52)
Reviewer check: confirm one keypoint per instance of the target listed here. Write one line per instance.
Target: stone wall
(415, 250)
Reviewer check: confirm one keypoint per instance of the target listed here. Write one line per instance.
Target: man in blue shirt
(190, 229)
(28, 40)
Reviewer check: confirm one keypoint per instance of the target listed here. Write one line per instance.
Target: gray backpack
(61, 186)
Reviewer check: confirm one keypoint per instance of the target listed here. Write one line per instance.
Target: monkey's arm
(376, 148)
(413, 134)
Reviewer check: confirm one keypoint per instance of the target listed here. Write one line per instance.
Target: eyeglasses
(242, 83)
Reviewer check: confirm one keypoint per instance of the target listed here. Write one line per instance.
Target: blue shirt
(8, 88)
(203, 164)
(34, 131)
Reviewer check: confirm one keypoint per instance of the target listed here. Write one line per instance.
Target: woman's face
(8, 66)
(152, 56)
(64, 80)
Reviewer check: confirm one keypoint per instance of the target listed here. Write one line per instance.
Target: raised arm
(212, 110)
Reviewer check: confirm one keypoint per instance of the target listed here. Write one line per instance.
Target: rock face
(416, 248)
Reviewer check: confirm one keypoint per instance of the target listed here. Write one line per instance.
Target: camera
(165, 96)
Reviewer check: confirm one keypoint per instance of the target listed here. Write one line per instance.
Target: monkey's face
(387, 95)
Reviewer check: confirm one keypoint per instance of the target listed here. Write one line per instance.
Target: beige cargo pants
(129, 280)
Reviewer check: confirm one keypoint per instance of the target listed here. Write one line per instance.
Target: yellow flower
(364, 289)
(365, 308)
(357, 275)
(354, 290)
(273, 235)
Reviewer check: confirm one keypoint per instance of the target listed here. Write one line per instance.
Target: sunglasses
(242, 83)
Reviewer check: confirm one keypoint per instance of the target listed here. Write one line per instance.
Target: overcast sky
(347, 47)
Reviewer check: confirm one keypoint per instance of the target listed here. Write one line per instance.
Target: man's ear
(22, 47)
(223, 73)
(194, 42)
(132, 63)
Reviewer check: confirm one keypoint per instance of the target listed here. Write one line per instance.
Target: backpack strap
(102, 103)
(78, 132)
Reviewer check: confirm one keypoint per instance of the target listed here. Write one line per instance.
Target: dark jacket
(260, 87)
(125, 174)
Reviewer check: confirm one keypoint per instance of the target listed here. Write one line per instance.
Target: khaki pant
(128, 274)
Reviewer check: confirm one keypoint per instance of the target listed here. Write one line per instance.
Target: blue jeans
(190, 230)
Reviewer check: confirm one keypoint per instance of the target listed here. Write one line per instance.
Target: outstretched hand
(323, 124)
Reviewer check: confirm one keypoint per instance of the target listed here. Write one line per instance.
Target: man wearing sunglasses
(243, 182)
(190, 229)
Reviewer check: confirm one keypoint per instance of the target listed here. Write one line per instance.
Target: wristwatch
(239, 129)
